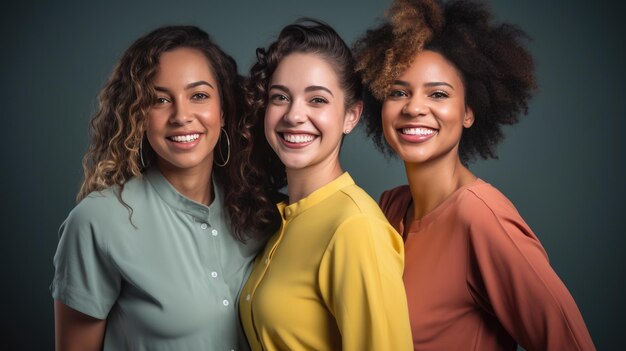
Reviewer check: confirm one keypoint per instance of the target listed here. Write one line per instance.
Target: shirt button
(225, 302)
(204, 226)
(214, 232)
(287, 212)
(214, 274)
(248, 297)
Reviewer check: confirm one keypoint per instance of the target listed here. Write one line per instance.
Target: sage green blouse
(166, 277)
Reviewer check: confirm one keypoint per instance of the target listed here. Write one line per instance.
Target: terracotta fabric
(477, 277)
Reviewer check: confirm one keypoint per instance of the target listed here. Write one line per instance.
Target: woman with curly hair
(331, 277)
(156, 252)
(476, 276)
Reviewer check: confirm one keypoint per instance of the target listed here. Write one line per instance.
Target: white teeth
(185, 138)
(417, 131)
(298, 138)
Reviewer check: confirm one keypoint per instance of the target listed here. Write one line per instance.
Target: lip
(416, 138)
(181, 145)
(292, 145)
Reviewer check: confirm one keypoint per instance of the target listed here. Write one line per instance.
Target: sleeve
(510, 276)
(85, 279)
(383, 201)
(361, 282)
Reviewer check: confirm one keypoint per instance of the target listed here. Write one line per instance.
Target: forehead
(184, 64)
(305, 69)
(430, 65)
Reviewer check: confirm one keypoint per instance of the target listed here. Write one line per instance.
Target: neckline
(419, 224)
(178, 201)
(292, 210)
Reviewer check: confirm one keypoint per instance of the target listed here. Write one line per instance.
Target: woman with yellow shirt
(331, 277)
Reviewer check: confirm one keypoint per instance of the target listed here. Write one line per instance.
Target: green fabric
(170, 280)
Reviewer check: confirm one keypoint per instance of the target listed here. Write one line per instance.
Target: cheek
(388, 115)
(270, 120)
(329, 122)
(153, 125)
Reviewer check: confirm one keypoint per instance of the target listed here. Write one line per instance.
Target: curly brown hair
(117, 132)
(304, 36)
(496, 68)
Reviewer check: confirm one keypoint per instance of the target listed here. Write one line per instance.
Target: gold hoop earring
(220, 149)
(143, 164)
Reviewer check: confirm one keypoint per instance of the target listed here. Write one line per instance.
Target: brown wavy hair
(496, 68)
(306, 35)
(117, 132)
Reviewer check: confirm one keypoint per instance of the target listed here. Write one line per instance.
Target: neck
(432, 182)
(302, 182)
(194, 183)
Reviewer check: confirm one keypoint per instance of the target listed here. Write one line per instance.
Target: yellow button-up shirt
(330, 279)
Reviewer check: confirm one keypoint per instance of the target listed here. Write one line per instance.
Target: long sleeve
(360, 280)
(509, 275)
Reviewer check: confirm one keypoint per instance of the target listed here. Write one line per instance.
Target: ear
(353, 114)
(222, 118)
(468, 120)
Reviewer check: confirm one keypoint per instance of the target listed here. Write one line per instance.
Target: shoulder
(490, 217)
(356, 202)
(103, 208)
(393, 197)
(482, 200)
(362, 222)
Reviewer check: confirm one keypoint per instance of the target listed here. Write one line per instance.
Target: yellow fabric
(330, 279)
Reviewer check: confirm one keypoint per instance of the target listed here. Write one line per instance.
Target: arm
(361, 283)
(75, 330)
(510, 276)
(86, 282)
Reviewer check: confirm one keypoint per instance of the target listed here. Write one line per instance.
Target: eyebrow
(429, 84)
(279, 87)
(188, 86)
(307, 89)
(318, 87)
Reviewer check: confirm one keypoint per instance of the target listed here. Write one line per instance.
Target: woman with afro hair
(443, 80)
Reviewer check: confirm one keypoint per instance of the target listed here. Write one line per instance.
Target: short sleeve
(361, 283)
(511, 277)
(84, 277)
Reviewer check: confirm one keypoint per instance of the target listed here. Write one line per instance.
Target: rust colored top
(477, 277)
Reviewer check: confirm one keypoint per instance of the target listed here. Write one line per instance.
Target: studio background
(562, 166)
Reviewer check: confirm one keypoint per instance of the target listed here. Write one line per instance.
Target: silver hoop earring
(220, 149)
(347, 131)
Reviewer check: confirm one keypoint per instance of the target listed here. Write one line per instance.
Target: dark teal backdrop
(563, 165)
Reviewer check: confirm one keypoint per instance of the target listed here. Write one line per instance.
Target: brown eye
(199, 96)
(439, 95)
(319, 100)
(278, 98)
(397, 94)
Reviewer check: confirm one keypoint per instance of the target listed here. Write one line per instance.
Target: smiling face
(424, 114)
(306, 115)
(185, 120)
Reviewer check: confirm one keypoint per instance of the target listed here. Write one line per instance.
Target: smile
(417, 131)
(184, 138)
(298, 138)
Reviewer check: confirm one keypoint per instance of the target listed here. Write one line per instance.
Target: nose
(182, 114)
(295, 114)
(415, 106)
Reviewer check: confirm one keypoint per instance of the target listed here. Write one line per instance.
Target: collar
(179, 202)
(288, 212)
